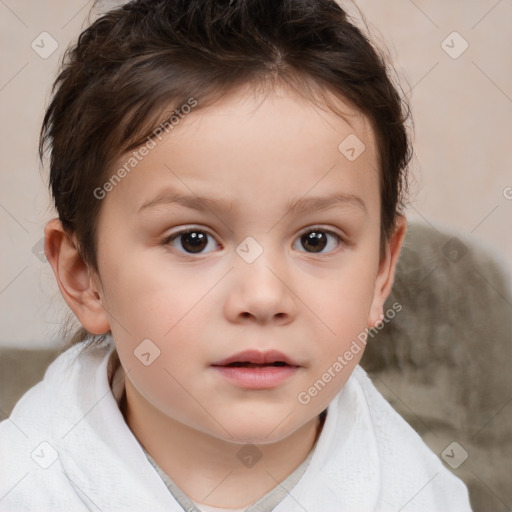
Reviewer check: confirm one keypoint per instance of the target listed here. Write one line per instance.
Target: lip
(263, 377)
(257, 377)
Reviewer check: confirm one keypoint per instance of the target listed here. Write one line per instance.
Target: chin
(251, 431)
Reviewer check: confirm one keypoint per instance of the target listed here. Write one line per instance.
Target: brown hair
(135, 64)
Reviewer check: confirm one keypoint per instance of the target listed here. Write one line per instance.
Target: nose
(260, 292)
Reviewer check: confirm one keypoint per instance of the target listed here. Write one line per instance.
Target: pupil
(316, 240)
(195, 241)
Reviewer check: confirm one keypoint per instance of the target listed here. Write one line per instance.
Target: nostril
(278, 316)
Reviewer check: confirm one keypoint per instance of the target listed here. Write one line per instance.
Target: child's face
(272, 292)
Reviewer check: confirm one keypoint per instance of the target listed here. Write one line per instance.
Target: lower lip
(257, 377)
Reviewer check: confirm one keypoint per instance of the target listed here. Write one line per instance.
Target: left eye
(316, 240)
(192, 241)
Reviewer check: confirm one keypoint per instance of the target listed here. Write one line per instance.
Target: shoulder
(410, 472)
(32, 436)
(60, 386)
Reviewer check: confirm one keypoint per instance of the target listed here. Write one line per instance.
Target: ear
(79, 286)
(386, 273)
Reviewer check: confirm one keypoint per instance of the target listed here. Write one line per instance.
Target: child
(229, 179)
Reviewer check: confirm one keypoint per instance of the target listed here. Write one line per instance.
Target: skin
(257, 152)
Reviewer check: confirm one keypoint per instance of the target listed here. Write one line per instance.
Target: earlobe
(386, 273)
(80, 291)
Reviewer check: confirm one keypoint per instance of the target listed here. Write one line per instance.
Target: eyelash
(340, 240)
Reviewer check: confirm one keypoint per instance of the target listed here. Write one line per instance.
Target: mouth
(256, 358)
(247, 364)
(256, 370)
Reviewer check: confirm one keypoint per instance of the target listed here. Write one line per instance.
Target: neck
(208, 469)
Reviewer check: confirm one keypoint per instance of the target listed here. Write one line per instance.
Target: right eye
(191, 241)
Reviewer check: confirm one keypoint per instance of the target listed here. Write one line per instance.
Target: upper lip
(257, 357)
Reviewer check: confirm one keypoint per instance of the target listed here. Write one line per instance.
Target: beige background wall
(462, 106)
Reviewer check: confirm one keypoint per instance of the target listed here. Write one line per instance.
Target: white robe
(66, 447)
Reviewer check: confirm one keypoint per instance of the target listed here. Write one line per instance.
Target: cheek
(344, 309)
(347, 297)
(339, 349)
(162, 353)
(157, 314)
(146, 299)
(167, 369)
(163, 385)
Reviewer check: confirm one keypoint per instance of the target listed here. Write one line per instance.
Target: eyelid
(188, 229)
(342, 239)
(175, 234)
(319, 227)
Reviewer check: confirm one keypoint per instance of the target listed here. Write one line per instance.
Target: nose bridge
(258, 262)
(260, 287)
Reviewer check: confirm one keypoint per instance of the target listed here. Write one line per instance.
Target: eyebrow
(298, 205)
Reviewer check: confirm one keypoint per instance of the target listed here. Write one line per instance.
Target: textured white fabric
(67, 447)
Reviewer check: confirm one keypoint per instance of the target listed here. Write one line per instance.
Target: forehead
(249, 148)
